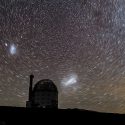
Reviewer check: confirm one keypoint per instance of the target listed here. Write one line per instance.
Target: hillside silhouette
(36, 116)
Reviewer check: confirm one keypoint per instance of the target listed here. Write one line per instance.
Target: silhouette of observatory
(43, 95)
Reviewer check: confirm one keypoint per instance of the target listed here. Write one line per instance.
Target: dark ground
(22, 116)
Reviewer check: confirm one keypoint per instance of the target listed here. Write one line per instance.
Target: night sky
(79, 44)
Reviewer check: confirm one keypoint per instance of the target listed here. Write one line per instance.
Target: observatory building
(43, 95)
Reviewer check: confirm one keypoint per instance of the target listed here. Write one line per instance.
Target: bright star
(6, 44)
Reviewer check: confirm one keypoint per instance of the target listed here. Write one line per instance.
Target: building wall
(45, 98)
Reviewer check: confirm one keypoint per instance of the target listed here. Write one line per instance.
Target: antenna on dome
(30, 87)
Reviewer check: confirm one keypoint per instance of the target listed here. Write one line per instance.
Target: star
(6, 44)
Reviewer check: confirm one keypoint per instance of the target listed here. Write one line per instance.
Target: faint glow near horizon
(70, 80)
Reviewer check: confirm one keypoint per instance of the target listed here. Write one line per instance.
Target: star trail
(79, 44)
